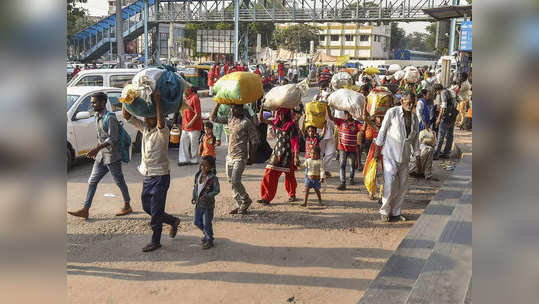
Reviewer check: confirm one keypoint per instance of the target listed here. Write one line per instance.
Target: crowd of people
(395, 139)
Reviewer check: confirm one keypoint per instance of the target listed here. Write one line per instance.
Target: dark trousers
(203, 220)
(154, 196)
(343, 157)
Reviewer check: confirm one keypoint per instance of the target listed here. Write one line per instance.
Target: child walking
(204, 191)
(314, 175)
(207, 142)
(348, 130)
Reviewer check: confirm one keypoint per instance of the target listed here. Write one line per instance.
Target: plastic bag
(427, 137)
(411, 74)
(369, 176)
(315, 114)
(378, 101)
(129, 94)
(238, 88)
(348, 100)
(286, 96)
(340, 80)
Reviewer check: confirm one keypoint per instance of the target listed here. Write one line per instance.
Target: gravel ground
(281, 253)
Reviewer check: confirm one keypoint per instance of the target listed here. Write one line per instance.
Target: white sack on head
(393, 68)
(285, 96)
(348, 100)
(340, 80)
(148, 76)
(399, 75)
(411, 74)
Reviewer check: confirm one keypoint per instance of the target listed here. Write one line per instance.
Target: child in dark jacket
(205, 189)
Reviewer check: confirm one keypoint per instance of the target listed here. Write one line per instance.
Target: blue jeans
(154, 196)
(343, 157)
(203, 220)
(98, 171)
(445, 131)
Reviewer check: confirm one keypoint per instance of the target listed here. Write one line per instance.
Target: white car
(117, 78)
(81, 131)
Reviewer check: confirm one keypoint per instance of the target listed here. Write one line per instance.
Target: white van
(116, 78)
(81, 132)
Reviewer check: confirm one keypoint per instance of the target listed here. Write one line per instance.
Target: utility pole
(452, 32)
(236, 28)
(146, 16)
(119, 34)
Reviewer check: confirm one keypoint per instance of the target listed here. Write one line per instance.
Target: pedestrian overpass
(95, 40)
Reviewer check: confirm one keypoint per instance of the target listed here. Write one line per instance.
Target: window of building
(363, 37)
(375, 37)
(322, 38)
(334, 38)
(349, 38)
(119, 81)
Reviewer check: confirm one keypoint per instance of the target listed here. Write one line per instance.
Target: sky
(101, 7)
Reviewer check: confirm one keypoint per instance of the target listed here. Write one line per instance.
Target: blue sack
(171, 88)
(125, 139)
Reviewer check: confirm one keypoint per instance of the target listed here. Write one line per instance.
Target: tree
(296, 37)
(398, 36)
(418, 42)
(77, 17)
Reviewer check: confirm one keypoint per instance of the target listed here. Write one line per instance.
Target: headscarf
(283, 125)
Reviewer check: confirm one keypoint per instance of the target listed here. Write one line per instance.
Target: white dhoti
(395, 187)
(188, 149)
(327, 149)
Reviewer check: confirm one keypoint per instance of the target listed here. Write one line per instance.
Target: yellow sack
(315, 114)
(370, 176)
(371, 71)
(238, 88)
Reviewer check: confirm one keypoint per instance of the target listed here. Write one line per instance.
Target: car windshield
(71, 100)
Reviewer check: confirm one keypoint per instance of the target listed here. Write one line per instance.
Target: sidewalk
(433, 264)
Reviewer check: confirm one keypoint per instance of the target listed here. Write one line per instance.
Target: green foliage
(397, 37)
(296, 37)
(76, 18)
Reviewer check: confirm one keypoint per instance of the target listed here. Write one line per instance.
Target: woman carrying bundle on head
(284, 157)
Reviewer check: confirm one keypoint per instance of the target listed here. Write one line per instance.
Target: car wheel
(138, 143)
(70, 158)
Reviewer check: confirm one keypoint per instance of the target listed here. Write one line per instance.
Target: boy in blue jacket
(204, 191)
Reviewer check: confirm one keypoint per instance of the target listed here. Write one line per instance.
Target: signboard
(215, 41)
(466, 36)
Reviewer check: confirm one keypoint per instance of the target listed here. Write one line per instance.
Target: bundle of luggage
(315, 114)
(286, 96)
(349, 101)
(379, 101)
(238, 88)
(137, 96)
(340, 80)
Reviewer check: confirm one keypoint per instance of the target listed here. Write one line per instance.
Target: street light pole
(146, 33)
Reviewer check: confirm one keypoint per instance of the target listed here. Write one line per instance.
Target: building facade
(356, 40)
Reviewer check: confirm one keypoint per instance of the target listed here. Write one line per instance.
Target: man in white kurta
(397, 138)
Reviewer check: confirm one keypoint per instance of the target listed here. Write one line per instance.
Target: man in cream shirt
(154, 165)
(397, 138)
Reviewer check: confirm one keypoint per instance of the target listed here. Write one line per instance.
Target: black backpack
(451, 111)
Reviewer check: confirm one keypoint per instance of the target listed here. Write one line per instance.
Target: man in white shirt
(397, 138)
(154, 165)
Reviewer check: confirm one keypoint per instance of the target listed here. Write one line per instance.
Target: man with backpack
(108, 155)
(445, 121)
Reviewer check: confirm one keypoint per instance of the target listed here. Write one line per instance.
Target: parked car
(103, 77)
(81, 131)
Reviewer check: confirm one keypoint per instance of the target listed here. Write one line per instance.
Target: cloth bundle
(340, 80)
(348, 100)
(238, 88)
(286, 96)
(137, 96)
(411, 74)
